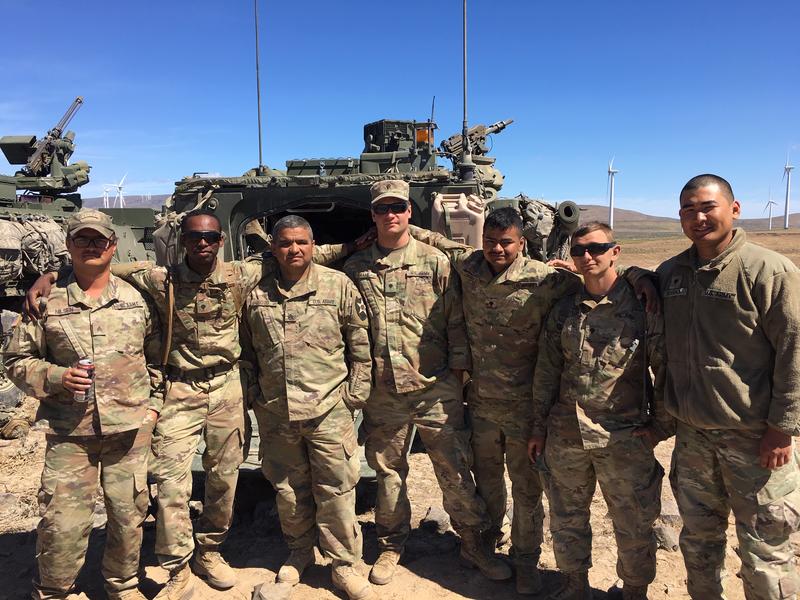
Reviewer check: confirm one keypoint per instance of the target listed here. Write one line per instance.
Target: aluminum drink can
(86, 364)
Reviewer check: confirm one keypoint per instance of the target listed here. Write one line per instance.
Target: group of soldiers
(558, 373)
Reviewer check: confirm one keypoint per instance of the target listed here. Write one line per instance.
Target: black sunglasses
(395, 207)
(98, 242)
(211, 237)
(595, 248)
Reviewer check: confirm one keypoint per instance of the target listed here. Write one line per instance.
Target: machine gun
(454, 145)
(45, 149)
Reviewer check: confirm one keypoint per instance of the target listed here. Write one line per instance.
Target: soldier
(199, 301)
(420, 353)
(732, 311)
(597, 417)
(310, 334)
(98, 423)
(506, 299)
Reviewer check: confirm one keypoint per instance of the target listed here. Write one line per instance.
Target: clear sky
(672, 89)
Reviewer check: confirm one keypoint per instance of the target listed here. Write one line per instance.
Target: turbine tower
(611, 172)
(106, 189)
(120, 196)
(768, 206)
(787, 174)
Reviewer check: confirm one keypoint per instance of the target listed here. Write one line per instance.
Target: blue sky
(672, 89)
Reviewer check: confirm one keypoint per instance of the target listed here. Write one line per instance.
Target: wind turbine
(120, 196)
(106, 189)
(611, 172)
(769, 206)
(787, 174)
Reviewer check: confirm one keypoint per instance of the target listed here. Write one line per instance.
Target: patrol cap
(89, 218)
(389, 188)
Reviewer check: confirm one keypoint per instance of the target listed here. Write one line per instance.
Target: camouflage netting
(43, 245)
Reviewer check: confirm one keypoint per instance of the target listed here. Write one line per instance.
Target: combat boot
(293, 567)
(210, 565)
(576, 587)
(132, 594)
(529, 580)
(180, 585)
(634, 592)
(475, 555)
(351, 582)
(384, 568)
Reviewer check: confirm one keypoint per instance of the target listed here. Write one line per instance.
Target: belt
(201, 374)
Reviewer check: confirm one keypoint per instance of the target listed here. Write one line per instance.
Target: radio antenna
(466, 167)
(258, 93)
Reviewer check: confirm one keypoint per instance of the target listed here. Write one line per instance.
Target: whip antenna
(466, 167)
(258, 92)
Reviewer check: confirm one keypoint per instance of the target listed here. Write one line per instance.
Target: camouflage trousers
(630, 480)
(438, 413)
(494, 447)
(66, 506)
(314, 467)
(714, 472)
(213, 410)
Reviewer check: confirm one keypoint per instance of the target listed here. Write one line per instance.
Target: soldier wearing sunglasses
(204, 393)
(420, 352)
(597, 417)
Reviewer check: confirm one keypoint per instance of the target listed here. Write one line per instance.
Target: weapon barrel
(499, 126)
(73, 108)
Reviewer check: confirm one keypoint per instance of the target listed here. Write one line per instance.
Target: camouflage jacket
(206, 318)
(311, 343)
(415, 314)
(119, 331)
(733, 338)
(594, 363)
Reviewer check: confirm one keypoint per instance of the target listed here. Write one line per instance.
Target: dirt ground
(430, 567)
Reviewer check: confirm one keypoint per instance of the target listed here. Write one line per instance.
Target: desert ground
(430, 566)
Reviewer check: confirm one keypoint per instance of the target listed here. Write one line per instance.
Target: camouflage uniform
(312, 345)
(592, 388)
(118, 331)
(203, 396)
(504, 314)
(733, 368)
(418, 334)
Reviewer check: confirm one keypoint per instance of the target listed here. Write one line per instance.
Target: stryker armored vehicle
(35, 204)
(333, 193)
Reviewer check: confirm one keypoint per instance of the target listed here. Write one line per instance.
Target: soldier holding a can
(91, 360)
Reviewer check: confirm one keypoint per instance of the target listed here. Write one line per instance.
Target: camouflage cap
(88, 218)
(389, 188)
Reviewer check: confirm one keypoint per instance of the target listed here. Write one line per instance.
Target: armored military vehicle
(333, 195)
(35, 204)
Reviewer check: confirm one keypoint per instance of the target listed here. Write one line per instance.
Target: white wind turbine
(768, 206)
(120, 196)
(787, 174)
(106, 189)
(611, 173)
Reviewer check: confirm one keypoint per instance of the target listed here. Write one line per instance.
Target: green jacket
(311, 344)
(415, 315)
(733, 338)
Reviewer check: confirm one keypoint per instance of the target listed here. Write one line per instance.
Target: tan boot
(384, 568)
(351, 582)
(475, 555)
(210, 565)
(132, 594)
(180, 585)
(576, 587)
(293, 567)
(529, 580)
(634, 592)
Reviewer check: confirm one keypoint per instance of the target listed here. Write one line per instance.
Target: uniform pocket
(778, 511)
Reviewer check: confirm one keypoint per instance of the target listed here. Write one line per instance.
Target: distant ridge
(633, 223)
(132, 201)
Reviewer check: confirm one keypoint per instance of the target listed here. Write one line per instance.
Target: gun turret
(477, 139)
(38, 164)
